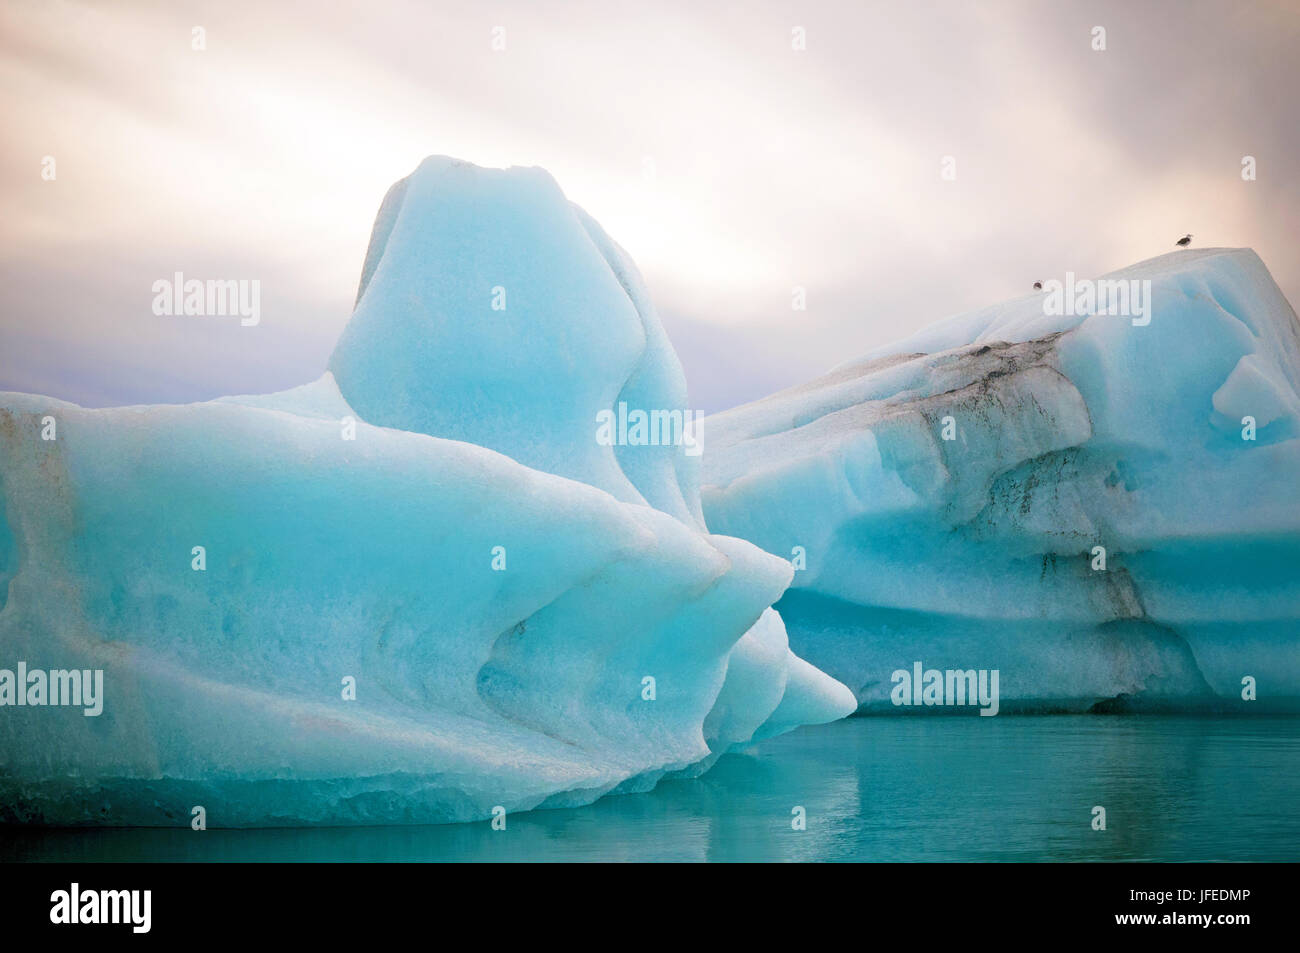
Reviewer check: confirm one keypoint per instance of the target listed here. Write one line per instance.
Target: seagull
(1185, 240)
(1038, 286)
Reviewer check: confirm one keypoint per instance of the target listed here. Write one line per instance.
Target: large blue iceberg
(419, 589)
(1097, 499)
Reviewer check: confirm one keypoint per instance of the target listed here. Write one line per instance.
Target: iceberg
(416, 590)
(1100, 505)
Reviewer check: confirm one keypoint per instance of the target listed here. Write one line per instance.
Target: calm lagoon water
(1018, 788)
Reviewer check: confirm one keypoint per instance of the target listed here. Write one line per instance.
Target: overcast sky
(266, 155)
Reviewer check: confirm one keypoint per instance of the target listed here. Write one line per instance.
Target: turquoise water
(874, 789)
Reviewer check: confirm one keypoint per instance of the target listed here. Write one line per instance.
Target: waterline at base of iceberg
(1011, 788)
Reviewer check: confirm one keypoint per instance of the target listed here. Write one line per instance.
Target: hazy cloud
(266, 155)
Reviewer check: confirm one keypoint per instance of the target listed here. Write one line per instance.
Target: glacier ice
(1068, 433)
(531, 618)
(508, 326)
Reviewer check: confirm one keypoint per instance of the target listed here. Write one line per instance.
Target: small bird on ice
(1038, 286)
(1185, 240)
